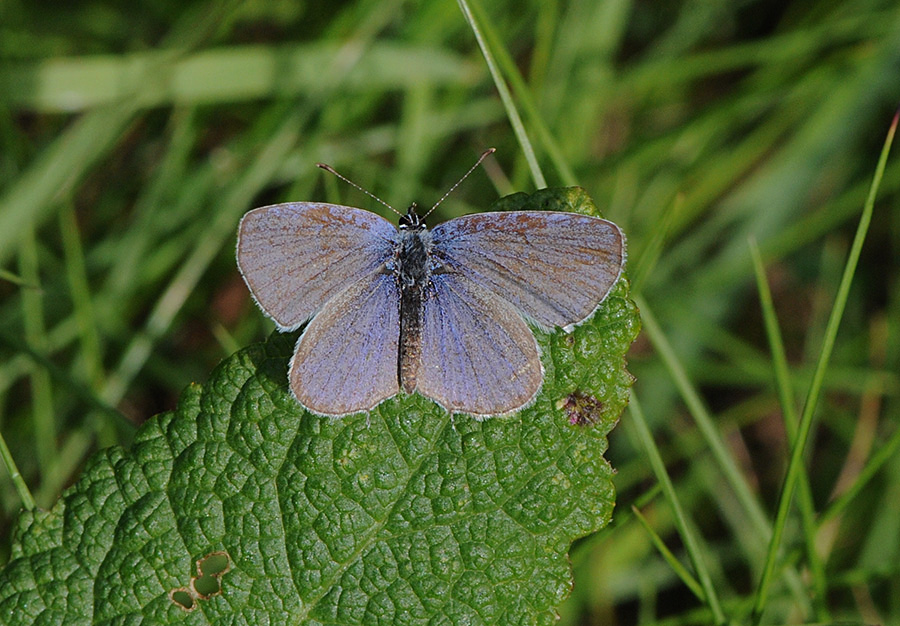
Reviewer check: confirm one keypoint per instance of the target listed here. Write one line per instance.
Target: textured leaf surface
(402, 516)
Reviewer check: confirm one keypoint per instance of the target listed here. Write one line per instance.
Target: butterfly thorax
(413, 255)
(413, 272)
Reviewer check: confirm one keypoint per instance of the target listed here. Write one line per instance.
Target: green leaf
(240, 508)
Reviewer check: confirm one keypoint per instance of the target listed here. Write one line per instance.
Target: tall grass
(133, 141)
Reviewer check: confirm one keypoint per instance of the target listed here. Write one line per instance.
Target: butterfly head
(412, 220)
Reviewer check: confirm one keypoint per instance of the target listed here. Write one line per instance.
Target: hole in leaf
(210, 570)
(182, 598)
(581, 409)
(206, 586)
(214, 564)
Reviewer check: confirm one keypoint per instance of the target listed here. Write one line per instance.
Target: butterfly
(441, 312)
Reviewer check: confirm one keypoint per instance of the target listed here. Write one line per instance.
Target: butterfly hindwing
(346, 359)
(478, 355)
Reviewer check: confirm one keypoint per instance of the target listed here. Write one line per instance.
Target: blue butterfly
(440, 312)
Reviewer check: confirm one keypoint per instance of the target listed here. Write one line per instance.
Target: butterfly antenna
(328, 168)
(483, 156)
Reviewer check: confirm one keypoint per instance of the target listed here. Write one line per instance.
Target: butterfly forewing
(296, 256)
(346, 359)
(553, 267)
(478, 355)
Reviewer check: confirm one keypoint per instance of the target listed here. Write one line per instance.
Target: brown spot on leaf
(582, 409)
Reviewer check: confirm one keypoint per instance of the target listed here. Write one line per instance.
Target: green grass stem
(512, 113)
(691, 542)
(681, 571)
(16, 476)
(806, 417)
(786, 396)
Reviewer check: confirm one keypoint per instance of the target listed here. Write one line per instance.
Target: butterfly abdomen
(412, 275)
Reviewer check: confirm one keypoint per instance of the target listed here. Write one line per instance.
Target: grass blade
(43, 416)
(691, 543)
(721, 455)
(786, 397)
(524, 97)
(670, 558)
(806, 418)
(15, 475)
(514, 119)
(703, 419)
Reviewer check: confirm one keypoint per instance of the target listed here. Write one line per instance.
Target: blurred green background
(134, 136)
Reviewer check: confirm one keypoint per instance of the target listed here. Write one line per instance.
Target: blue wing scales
(553, 267)
(294, 257)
